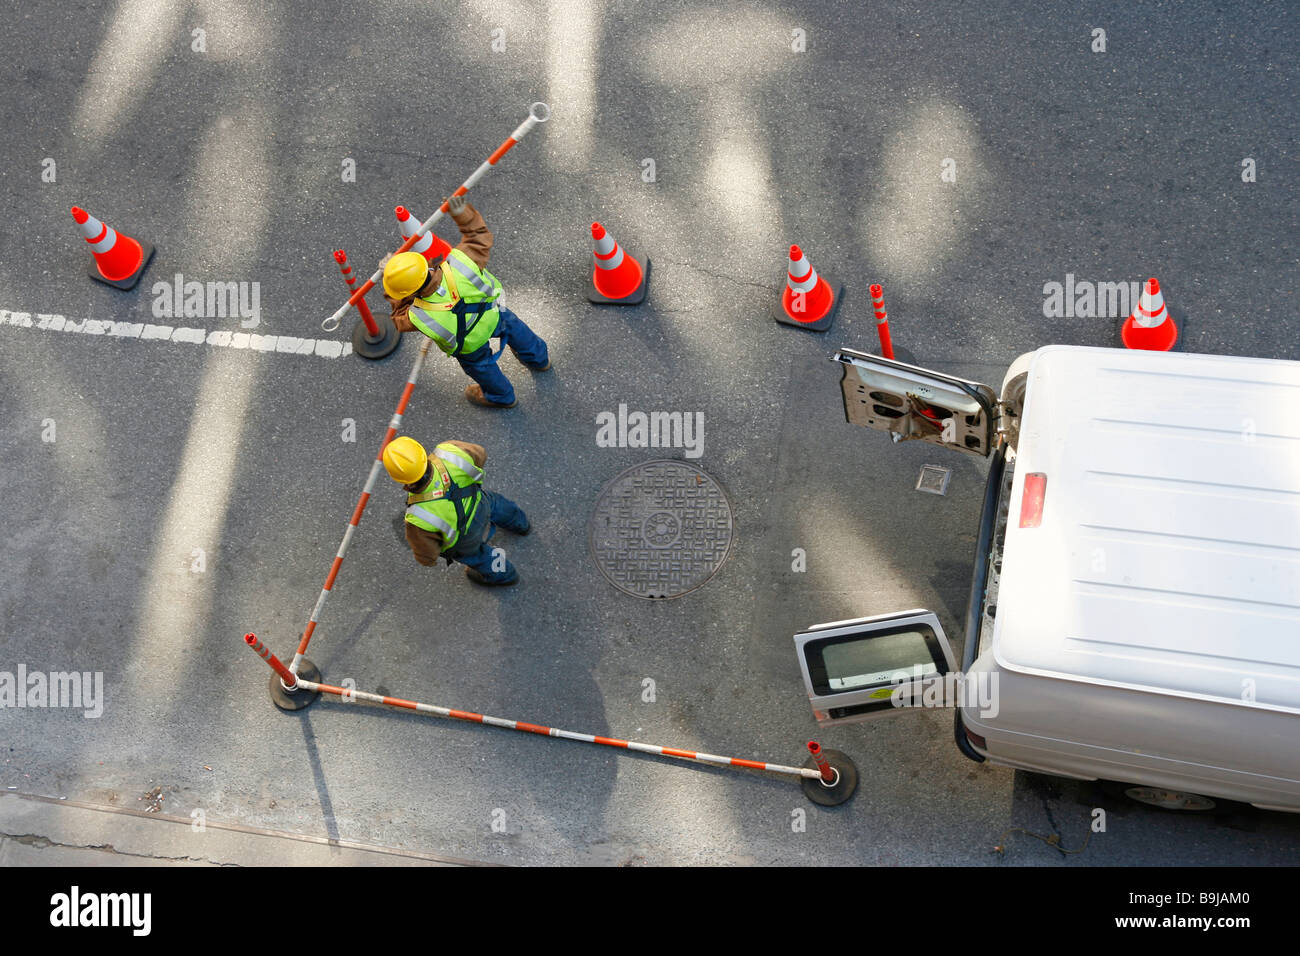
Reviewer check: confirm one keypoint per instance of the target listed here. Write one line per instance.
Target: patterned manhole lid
(660, 529)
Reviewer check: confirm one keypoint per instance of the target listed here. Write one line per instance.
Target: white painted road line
(223, 338)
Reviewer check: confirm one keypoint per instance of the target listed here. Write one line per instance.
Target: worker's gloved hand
(456, 205)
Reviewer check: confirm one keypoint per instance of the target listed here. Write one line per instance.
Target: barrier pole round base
(300, 698)
(831, 795)
(905, 356)
(370, 347)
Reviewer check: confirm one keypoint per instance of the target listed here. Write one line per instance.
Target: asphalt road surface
(131, 463)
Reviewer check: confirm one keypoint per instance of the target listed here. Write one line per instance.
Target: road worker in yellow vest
(449, 295)
(449, 513)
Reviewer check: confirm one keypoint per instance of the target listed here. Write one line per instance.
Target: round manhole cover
(660, 529)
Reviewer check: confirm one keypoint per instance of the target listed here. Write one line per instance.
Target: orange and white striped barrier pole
(807, 773)
(261, 650)
(341, 258)
(366, 490)
(824, 770)
(286, 690)
(836, 776)
(371, 339)
(537, 113)
(882, 321)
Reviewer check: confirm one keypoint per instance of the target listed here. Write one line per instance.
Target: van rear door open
(871, 666)
(916, 403)
(910, 403)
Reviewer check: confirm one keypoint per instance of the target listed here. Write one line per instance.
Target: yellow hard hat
(405, 458)
(405, 273)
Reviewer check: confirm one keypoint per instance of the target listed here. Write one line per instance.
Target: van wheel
(1169, 799)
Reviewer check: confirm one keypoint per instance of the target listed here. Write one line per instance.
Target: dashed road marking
(221, 338)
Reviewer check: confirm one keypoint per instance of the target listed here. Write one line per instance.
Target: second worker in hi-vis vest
(452, 298)
(449, 513)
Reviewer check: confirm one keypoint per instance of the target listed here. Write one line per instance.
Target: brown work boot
(534, 368)
(475, 394)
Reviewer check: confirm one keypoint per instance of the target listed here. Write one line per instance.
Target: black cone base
(299, 698)
(822, 324)
(130, 281)
(636, 298)
(376, 348)
(844, 786)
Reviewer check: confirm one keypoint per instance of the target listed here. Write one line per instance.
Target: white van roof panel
(1168, 557)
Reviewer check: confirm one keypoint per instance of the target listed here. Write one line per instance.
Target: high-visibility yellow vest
(460, 315)
(449, 503)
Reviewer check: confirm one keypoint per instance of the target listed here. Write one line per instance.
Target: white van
(1135, 603)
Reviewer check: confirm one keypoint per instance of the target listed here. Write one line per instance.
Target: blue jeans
(481, 364)
(503, 513)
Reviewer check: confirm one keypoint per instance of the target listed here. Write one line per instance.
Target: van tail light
(1031, 502)
(977, 740)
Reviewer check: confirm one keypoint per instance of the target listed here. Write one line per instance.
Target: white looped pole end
(539, 112)
(330, 324)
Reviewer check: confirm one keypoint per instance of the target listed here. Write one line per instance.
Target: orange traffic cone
(808, 301)
(119, 259)
(1150, 327)
(429, 246)
(617, 278)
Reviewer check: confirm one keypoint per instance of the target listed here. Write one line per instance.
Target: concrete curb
(45, 831)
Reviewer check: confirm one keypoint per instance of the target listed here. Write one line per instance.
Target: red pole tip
(1152, 286)
(877, 291)
(795, 253)
(250, 639)
(340, 256)
(597, 231)
(814, 747)
(80, 215)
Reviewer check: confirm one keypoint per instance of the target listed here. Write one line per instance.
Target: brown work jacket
(475, 242)
(427, 545)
